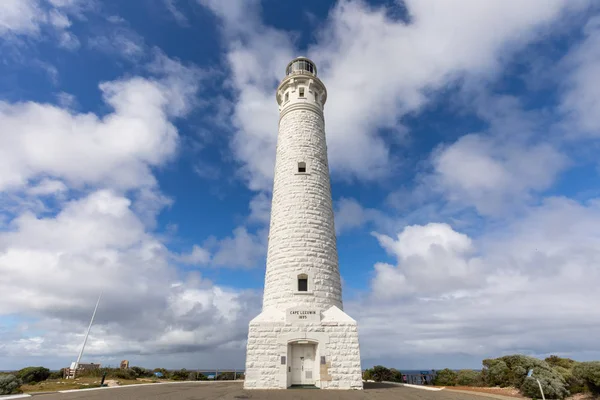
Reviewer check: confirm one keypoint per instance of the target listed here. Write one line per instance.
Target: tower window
(303, 283)
(301, 167)
(287, 96)
(301, 92)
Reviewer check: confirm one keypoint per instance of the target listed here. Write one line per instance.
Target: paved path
(234, 391)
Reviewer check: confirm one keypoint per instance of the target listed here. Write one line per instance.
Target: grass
(54, 385)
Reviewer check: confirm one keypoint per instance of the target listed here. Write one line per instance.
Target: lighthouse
(302, 337)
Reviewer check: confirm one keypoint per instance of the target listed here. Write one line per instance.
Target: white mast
(86, 336)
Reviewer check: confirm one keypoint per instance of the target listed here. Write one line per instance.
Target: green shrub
(122, 374)
(512, 371)
(381, 373)
(368, 374)
(33, 374)
(468, 377)
(226, 376)
(445, 377)
(56, 374)
(589, 373)
(495, 372)
(556, 361)
(180, 375)
(553, 388)
(574, 384)
(9, 384)
(395, 375)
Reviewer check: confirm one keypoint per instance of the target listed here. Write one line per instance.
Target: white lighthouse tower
(302, 336)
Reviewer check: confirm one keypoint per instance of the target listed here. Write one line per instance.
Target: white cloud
(376, 70)
(116, 150)
(431, 259)
(492, 174)
(179, 16)
(42, 19)
(241, 250)
(19, 16)
(119, 41)
(198, 256)
(526, 286)
(47, 187)
(581, 99)
(350, 214)
(52, 269)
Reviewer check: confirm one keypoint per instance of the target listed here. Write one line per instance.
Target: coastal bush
(445, 377)
(512, 371)
(495, 372)
(468, 377)
(122, 374)
(226, 376)
(142, 372)
(574, 384)
(553, 388)
(589, 373)
(9, 384)
(395, 375)
(57, 374)
(180, 375)
(556, 361)
(33, 374)
(368, 374)
(381, 373)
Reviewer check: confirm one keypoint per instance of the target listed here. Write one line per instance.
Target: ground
(52, 385)
(234, 391)
(507, 391)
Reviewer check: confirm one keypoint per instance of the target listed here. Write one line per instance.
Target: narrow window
(303, 283)
(301, 167)
(301, 92)
(287, 96)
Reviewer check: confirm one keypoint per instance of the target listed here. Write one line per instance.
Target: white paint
(15, 396)
(302, 242)
(418, 386)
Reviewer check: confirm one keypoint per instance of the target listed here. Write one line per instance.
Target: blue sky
(137, 142)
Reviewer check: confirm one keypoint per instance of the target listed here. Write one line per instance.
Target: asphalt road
(234, 391)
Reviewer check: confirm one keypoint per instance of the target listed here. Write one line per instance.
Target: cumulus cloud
(115, 150)
(526, 286)
(19, 16)
(494, 175)
(53, 268)
(581, 98)
(31, 18)
(79, 202)
(377, 70)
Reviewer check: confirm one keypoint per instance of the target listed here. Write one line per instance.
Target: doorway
(302, 364)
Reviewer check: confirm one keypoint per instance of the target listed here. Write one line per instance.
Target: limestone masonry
(302, 336)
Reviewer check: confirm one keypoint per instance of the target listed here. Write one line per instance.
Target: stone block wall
(302, 236)
(267, 342)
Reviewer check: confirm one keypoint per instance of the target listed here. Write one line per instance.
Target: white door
(303, 360)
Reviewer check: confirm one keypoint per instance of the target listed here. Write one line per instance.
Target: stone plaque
(302, 314)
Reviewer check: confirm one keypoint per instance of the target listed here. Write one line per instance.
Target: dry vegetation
(53, 385)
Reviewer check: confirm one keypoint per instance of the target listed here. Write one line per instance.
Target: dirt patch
(505, 391)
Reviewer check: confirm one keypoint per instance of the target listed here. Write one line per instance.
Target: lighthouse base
(303, 347)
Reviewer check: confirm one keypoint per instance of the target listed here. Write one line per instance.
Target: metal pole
(86, 336)
(540, 385)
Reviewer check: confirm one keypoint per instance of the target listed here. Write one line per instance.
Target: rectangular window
(302, 284)
(301, 92)
(302, 167)
(287, 96)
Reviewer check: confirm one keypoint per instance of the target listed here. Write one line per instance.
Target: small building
(70, 372)
(124, 364)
